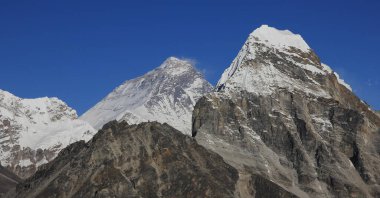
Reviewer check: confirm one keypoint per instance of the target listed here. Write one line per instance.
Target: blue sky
(81, 50)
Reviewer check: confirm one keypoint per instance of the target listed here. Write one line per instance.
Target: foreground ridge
(144, 160)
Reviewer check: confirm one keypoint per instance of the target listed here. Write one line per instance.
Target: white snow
(61, 133)
(263, 79)
(166, 94)
(279, 38)
(324, 123)
(341, 81)
(261, 76)
(175, 66)
(41, 123)
(25, 163)
(282, 40)
(326, 68)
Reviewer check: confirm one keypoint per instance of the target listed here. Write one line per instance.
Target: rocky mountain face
(8, 181)
(166, 94)
(283, 115)
(145, 160)
(33, 131)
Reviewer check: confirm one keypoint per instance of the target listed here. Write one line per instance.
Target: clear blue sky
(81, 50)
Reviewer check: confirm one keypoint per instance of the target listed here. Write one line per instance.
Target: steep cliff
(282, 114)
(8, 180)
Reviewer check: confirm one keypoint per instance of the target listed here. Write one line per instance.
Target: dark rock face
(264, 188)
(310, 146)
(145, 160)
(35, 156)
(8, 180)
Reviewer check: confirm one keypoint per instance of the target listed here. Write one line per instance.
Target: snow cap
(279, 38)
(175, 66)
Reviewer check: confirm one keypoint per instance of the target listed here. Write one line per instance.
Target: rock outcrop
(8, 180)
(145, 160)
(282, 114)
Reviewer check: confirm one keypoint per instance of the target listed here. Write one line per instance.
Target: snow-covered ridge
(340, 80)
(165, 94)
(32, 124)
(36, 107)
(270, 37)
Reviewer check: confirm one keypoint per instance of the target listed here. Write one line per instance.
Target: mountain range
(35, 130)
(279, 123)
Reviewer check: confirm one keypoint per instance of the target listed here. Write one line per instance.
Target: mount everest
(166, 94)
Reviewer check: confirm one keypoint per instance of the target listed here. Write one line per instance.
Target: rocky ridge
(145, 160)
(282, 114)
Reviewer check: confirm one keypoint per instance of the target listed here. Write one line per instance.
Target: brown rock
(145, 160)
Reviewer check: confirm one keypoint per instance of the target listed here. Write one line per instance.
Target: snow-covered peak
(271, 39)
(46, 125)
(172, 60)
(272, 59)
(278, 38)
(165, 94)
(176, 66)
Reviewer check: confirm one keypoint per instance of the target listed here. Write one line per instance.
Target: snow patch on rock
(342, 82)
